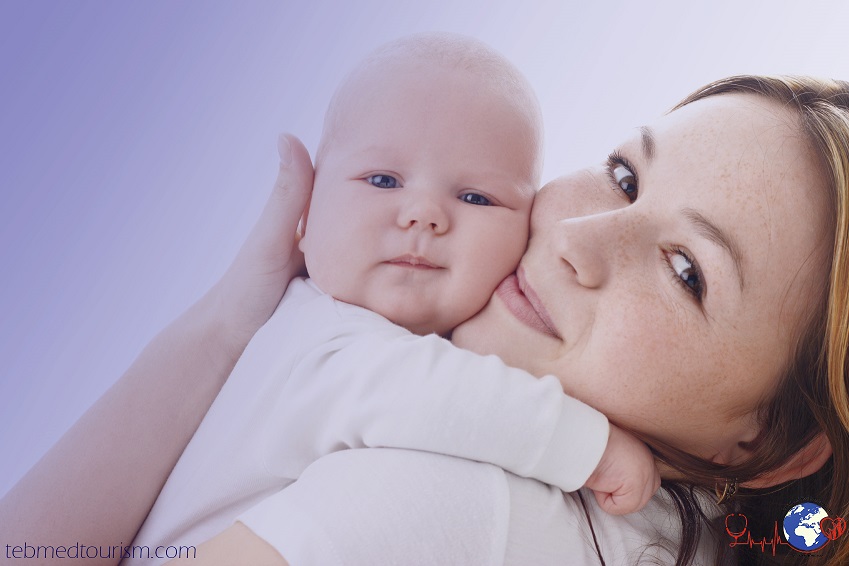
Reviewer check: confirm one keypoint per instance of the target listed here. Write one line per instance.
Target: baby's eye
(383, 181)
(475, 198)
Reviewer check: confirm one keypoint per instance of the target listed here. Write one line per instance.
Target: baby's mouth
(414, 262)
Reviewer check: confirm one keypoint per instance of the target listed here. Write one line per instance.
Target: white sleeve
(389, 388)
(388, 507)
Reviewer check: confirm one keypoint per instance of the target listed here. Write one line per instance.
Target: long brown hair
(812, 396)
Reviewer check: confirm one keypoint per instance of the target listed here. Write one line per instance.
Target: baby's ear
(302, 223)
(302, 226)
(805, 462)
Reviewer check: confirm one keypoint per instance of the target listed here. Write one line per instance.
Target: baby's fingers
(618, 503)
(628, 499)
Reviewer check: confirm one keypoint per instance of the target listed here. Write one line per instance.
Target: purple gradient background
(138, 143)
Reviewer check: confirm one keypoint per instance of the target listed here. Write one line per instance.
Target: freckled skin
(633, 342)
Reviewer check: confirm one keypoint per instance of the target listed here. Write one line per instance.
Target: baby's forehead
(488, 73)
(437, 83)
(480, 66)
(445, 89)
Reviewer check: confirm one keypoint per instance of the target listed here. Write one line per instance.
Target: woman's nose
(424, 212)
(595, 247)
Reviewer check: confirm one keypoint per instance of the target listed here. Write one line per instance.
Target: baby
(425, 177)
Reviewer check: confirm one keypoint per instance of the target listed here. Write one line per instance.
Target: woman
(698, 281)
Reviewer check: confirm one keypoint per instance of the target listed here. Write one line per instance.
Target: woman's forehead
(744, 161)
(737, 127)
(739, 153)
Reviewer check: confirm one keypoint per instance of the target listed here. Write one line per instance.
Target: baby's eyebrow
(715, 234)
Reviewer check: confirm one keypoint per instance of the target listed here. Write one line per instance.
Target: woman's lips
(413, 261)
(525, 305)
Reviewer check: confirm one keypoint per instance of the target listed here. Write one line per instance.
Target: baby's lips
(415, 260)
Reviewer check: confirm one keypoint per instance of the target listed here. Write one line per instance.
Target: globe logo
(802, 527)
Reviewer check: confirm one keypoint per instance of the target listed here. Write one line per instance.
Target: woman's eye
(383, 181)
(474, 198)
(623, 175)
(626, 180)
(687, 272)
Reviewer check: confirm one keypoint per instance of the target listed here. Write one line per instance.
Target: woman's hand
(97, 484)
(235, 546)
(250, 290)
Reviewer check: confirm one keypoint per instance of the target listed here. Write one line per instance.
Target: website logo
(806, 528)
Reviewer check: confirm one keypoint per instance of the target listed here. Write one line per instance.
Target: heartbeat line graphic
(773, 543)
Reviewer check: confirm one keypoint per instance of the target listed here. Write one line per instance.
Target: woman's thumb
(292, 189)
(271, 246)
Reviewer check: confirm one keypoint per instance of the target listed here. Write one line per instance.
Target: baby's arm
(393, 389)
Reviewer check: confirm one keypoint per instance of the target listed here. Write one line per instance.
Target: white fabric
(322, 376)
(389, 507)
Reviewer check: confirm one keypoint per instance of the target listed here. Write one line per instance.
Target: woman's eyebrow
(715, 234)
(647, 138)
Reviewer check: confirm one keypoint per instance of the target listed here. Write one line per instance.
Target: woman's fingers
(272, 243)
(275, 232)
(256, 280)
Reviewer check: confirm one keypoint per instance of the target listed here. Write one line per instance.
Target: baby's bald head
(484, 71)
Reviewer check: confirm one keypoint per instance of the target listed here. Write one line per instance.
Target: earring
(727, 493)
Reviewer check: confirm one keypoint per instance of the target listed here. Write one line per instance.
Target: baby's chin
(423, 327)
(489, 332)
(445, 321)
(401, 308)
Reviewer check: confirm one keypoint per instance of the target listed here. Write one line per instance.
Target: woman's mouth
(521, 300)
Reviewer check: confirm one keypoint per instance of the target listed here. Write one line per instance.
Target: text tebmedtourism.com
(79, 550)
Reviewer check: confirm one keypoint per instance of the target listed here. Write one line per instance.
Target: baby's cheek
(328, 268)
(514, 240)
(501, 254)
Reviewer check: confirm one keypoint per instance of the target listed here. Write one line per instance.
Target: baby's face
(422, 197)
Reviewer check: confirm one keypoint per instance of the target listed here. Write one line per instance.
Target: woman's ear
(808, 460)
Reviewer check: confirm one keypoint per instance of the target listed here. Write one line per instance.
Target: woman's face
(667, 287)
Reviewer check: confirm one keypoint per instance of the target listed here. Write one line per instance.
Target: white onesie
(322, 376)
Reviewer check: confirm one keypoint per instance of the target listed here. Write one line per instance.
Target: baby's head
(425, 175)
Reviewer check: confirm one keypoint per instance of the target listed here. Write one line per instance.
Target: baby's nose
(424, 213)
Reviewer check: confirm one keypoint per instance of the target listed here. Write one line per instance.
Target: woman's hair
(812, 396)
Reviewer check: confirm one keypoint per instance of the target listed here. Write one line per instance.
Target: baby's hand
(626, 477)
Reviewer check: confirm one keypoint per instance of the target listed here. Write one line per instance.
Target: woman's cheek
(582, 193)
